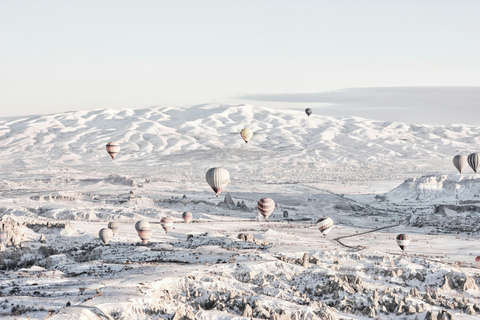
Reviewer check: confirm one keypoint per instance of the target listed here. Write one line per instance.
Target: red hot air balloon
(113, 148)
(266, 207)
(477, 261)
(145, 234)
(167, 223)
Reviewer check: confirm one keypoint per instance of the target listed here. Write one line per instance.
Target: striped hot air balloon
(187, 216)
(105, 235)
(217, 178)
(477, 261)
(114, 226)
(460, 162)
(325, 225)
(308, 111)
(403, 241)
(246, 134)
(113, 148)
(167, 223)
(266, 207)
(3, 237)
(474, 161)
(142, 224)
(145, 234)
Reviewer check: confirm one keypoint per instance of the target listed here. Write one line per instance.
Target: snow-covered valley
(59, 187)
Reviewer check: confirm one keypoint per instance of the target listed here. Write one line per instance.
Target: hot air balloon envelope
(325, 225)
(113, 148)
(403, 241)
(142, 224)
(105, 235)
(145, 234)
(460, 162)
(167, 223)
(246, 134)
(187, 216)
(114, 226)
(266, 207)
(217, 178)
(308, 111)
(474, 161)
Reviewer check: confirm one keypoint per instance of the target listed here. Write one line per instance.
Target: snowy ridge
(438, 187)
(160, 136)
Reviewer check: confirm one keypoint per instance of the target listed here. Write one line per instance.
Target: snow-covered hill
(189, 140)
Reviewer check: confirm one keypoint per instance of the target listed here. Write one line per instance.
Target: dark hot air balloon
(308, 111)
(474, 161)
(403, 241)
(325, 225)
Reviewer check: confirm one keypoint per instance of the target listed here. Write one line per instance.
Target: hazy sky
(66, 55)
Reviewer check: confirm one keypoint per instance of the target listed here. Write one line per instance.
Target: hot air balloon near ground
(246, 134)
(105, 235)
(266, 207)
(114, 226)
(145, 234)
(167, 223)
(403, 241)
(308, 111)
(187, 216)
(142, 224)
(474, 161)
(460, 162)
(113, 148)
(325, 225)
(217, 178)
(477, 261)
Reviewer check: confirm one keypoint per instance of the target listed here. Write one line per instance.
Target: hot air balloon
(187, 216)
(217, 178)
(3, 237)
(114, 226)
(477, 261)
(325, 225)
(460, 162)
(474, 161)
(113, 148)
(308, 111)
(142, 224)
(266, 207)
(167, 223)
(246, 134)
(403, 240)
(105, 235)
(145, 234)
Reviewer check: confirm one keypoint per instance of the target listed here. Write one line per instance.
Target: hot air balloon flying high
(217, 178)
(187, 216)
(114, 226)
(266, 207)
(105, 235)
(325, 225)
(460, 162)
(474, 161)
(308, 111)
(145, 234)
(167, 223)
(477, 261)
(246, 134)
(113, 148)
(403, 241)
(142, 224)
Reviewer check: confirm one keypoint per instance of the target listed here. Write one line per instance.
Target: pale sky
(65, 55)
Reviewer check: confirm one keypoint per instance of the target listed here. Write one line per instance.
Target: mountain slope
(291, 145)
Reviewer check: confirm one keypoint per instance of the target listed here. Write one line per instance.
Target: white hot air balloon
(217, 178)
(113, 148)
(460, 162)
(325, 225)
(142, 224)
(246, 134)
(114, 226)
(105, 235)
(187, 216)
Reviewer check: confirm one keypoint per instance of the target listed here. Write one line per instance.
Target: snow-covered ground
(57, 180)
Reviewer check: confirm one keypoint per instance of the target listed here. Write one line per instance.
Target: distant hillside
(286, 146)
